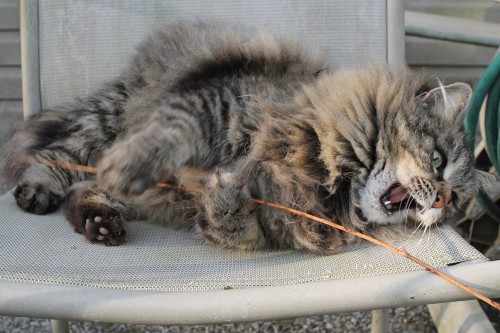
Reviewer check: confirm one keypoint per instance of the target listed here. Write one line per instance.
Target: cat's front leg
(135, 163)
(95, 214)
(278, 181)
(227, 218)
(174, 136)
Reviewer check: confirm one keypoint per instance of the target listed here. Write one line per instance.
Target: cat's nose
(442, 199)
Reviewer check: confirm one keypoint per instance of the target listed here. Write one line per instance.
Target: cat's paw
(127, 168)
(99, 223)
(226, 198)
(38, 198)
(227, 218)
(314, 236)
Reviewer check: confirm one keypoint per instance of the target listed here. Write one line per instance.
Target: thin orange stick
(68, 166)
(401, 252)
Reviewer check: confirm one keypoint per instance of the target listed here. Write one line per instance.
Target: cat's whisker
(426, 227)
(439, 230)
(421, 230)
(408, 204)
(418, 229)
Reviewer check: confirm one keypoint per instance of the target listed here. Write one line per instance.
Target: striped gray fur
(242, 114)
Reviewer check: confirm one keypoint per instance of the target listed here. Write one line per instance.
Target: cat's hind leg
(40, 187)
(74, 133)
(228, 216)
(40, 197)
(96, 215)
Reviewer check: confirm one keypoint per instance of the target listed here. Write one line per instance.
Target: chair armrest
(251, 304)
(452, 29)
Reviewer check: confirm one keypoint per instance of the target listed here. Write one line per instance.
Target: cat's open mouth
(398, 198)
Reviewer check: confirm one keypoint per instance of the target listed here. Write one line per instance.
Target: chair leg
(460, 317)
(59, 326)
(380, 321)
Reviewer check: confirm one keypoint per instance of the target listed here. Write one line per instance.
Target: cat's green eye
(437, 159)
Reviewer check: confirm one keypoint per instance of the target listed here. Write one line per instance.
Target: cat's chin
(425, 217)
(399, 217)
(430, 216)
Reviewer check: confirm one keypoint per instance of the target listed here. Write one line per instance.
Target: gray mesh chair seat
(169, 277)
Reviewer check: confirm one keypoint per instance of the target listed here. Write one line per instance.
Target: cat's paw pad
(99, 224)
(126, 169)
(108, 231)
(227, 198)
(38, 198)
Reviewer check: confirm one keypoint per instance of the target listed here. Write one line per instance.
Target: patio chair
(162, 276)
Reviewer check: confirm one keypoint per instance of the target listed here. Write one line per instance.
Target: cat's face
(391, 151)
(425, 171)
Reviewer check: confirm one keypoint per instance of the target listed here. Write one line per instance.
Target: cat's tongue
(398, 193)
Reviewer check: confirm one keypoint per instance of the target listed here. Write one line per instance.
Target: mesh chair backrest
(85, 42)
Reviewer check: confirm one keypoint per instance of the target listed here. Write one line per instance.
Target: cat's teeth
(100, 237)
(103, 231)
(97, 219)
(387, 202)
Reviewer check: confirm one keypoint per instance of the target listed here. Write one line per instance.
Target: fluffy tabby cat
(244, 115)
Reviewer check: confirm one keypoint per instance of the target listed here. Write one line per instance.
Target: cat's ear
(450, 100)
(485, 179)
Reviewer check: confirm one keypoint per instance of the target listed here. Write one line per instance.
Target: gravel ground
(402, 320)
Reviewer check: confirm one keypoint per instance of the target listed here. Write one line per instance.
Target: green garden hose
(489, 84)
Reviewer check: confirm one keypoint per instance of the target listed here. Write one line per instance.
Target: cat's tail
(74, 132)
